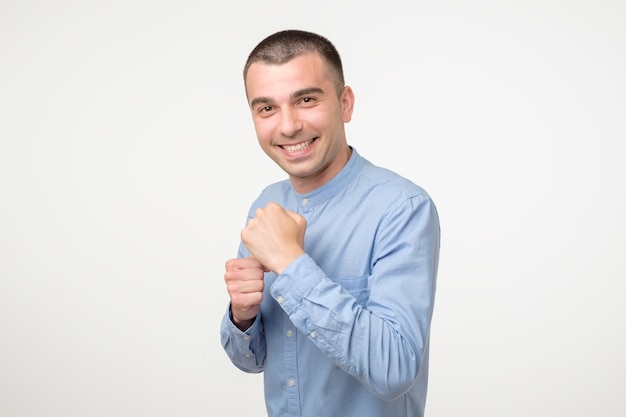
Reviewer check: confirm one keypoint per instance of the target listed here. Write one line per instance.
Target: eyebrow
(299, 93)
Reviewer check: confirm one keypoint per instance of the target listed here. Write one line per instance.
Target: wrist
(288, 261)
(242, 324)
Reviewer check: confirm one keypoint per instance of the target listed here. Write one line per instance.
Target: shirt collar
(335, 185)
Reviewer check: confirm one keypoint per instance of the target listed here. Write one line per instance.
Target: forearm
(381, 346)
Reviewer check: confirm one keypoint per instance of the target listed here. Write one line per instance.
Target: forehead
(306, 70)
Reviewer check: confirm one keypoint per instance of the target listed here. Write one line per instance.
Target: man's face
(299, 118)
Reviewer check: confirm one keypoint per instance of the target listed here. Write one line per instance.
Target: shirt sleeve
(246, 349)
(383, 343)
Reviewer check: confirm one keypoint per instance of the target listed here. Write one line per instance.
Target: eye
(265, 110)
(306, 101)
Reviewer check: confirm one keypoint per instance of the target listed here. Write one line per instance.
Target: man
(332, 290)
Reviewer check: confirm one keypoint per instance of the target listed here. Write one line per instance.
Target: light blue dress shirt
(344, 330)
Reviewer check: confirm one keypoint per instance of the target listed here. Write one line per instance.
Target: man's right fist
(244, 283)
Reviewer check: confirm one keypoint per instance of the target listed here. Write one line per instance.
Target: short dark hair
(285, 45)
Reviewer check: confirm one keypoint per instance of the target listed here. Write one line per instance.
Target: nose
(290, 122)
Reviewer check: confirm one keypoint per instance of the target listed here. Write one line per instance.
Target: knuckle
(229, 264)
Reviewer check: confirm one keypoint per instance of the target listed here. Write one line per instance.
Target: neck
(307, 184)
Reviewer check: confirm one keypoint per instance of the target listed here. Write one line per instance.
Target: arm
(241, 330)
(382, 344)
(246, 350)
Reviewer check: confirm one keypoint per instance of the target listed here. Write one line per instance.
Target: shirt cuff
(251, 331)
(295, 282)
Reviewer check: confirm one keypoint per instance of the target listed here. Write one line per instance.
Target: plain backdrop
(128, 161)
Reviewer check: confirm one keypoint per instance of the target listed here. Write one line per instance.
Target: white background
(128, 161)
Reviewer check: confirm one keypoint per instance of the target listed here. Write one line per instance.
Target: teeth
(298, 147)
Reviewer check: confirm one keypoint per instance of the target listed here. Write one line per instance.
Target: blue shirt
(344, 330)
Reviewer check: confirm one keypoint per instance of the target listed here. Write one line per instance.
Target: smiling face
(299, 118)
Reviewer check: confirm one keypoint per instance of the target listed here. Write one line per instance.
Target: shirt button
(247, 355)
(280, 299)
(292, 382)
(246, 338)
(289, 333)
(313, 335)
(305, 201)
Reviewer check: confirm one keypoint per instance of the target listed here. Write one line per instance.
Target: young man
(333, 287)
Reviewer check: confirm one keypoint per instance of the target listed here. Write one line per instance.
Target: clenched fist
(275, 236)
(244, 282)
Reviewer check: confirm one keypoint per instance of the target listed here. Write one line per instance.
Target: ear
(347, 104)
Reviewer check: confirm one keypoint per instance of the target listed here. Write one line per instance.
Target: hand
(275, 236)
(244, 283)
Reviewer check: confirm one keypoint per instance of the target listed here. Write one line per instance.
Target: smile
(298, 146)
